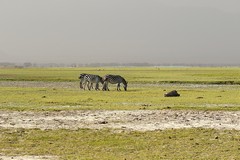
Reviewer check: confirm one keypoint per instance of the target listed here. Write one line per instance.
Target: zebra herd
(89, 79)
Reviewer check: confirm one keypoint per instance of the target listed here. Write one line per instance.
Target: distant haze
(120, 31)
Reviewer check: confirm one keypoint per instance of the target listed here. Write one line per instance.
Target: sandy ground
(28, 157)
(137, 120)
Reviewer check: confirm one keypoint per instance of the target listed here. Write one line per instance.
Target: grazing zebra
(114, 79)
(90, 79)
(82, 80)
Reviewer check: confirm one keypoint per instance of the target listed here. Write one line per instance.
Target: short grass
(146, 87)
(199, 75)
(193, 143)
(141, 96)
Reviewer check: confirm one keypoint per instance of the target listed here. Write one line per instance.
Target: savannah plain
(45, 115)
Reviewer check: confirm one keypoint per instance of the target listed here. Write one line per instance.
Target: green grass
(105, 144)
(137, 97)
(207, 75)
(147, 86)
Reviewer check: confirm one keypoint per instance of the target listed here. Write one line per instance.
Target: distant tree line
(74, 65)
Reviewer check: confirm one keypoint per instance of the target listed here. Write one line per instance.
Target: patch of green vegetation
(137, 97)
(146, 87)
(193, 143)
(197, 75)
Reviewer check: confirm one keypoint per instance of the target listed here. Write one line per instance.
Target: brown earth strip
(138, 120)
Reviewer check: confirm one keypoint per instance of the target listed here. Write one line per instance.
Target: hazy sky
(122, 31)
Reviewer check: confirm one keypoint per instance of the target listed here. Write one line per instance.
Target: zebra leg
(89, 87)
(105, 86)
(118, 87)
(97, 87)
(85, 85)
(81, 86)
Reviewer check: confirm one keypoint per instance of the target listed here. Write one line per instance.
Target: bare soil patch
(137, 120)
(40, 84)
(28, 157)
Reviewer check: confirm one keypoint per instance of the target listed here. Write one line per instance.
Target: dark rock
(199, 97)
(172, 94)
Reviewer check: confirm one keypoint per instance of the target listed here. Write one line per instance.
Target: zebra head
(81, 77)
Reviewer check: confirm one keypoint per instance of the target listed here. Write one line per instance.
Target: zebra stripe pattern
(89, 79)
(82, 80)
(114, 79)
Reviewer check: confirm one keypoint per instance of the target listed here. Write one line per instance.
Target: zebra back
(93, 78)
(114, 79)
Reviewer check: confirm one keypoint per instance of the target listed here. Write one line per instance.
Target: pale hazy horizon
(120, 31)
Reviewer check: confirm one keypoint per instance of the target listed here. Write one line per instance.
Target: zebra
(114, 79)
(90, 79)
(82, 80)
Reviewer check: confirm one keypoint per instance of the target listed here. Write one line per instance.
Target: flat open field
(206, 115)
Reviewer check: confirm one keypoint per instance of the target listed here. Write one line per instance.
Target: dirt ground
(28, 157)
(137, 120)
